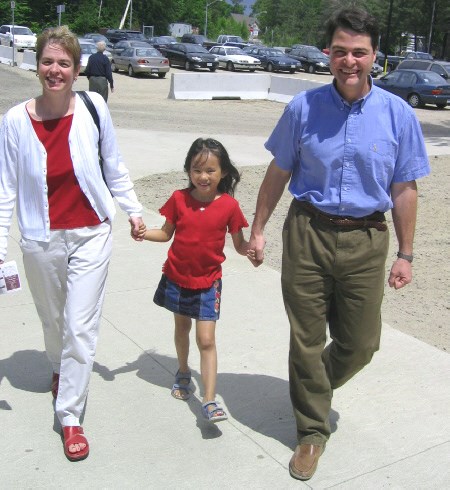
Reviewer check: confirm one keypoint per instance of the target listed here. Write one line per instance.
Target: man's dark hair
(354, 19)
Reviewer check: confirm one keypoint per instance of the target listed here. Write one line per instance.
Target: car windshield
(234, 51)
(431, 77)
(22, 31)
(195, 48)
(147, 52)
(88, 48)
(319, 56)
(166, 39)
(273, 52)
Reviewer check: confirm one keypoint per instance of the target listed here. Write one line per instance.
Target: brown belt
(375, 220)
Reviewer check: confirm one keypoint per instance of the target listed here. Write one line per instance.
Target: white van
(23, 37)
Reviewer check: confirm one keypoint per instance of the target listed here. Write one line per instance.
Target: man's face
(351, 60)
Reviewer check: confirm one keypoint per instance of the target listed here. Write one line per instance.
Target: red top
(196, 254)
(68, 206)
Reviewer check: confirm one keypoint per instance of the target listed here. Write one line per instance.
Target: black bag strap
(91, 108)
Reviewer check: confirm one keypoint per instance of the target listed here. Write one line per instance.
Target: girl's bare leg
(183, 326)
(206, 341)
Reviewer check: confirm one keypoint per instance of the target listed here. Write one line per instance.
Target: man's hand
(401, 274)
(256, 244)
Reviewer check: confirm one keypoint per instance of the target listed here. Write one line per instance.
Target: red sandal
(75, 435)
(55, 384)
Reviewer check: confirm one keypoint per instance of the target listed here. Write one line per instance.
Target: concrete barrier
(283, 89)
(28, 61)
(186, 86)
(249, 86)
(6, 55)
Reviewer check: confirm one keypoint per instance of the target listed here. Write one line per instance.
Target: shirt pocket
(381, 156)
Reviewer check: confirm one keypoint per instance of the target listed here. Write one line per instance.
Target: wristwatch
(409, 258)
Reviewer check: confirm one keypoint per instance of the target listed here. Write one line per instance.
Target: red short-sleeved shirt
(196, 254)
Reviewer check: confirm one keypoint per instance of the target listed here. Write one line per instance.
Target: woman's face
(56, 69)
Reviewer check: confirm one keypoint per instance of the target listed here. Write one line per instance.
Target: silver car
(141, 60)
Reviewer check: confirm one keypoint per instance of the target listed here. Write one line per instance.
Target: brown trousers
(335, 275)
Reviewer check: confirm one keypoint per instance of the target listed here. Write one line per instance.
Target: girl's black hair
(205, 146)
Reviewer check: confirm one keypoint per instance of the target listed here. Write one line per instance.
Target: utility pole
(431, 27)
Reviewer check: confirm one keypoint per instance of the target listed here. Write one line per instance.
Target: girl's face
(56, 69)
(205, 174)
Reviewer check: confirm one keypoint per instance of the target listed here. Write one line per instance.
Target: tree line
(281, 22)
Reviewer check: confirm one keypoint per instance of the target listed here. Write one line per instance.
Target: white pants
(67, 279)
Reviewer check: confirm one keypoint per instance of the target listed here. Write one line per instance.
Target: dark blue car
(275, 60)
(417, 87)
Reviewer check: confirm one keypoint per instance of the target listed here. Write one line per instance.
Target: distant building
(177, 29)
(251, 22)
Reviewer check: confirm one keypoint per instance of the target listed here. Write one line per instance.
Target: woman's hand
(138, 228)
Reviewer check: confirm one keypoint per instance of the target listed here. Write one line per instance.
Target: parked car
(199, 39)
(417, 87)
(116, 35)
(191, 56)
(83, 40)
(418, 55)
(96, 37)
(23, 37)
(311, 58)
(275, 60)
(87, 48)
(233, 58)
(135, 60)
(161, 43)
(376, 70)
(120, 46)
(440, 67)
(297, 46)
(231, 40)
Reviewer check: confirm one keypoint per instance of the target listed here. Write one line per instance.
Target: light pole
(206, 15)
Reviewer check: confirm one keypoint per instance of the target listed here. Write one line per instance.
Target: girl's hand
(251, 255)
(138, 228)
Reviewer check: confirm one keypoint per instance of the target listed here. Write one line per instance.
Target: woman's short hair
(63, 37)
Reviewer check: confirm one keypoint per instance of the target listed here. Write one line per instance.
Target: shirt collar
(342, 103)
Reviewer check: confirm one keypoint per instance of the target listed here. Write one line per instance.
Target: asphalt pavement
(391, 423)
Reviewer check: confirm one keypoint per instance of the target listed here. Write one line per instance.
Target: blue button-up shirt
(343, 157)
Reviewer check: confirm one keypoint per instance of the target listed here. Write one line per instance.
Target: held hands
(256, 247)
(401, 274)
(138, 228)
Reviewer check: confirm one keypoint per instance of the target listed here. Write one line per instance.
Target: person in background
(99, 73)
(49, 169)
(350, 152)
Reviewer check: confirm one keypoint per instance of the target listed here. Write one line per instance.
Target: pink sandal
(75, 435)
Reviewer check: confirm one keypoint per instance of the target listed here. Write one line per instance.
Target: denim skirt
(201, 304)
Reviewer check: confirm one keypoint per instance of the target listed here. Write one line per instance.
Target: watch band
(401, 255)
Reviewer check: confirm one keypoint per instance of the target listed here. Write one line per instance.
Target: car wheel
(414, 100)
(269, 67)
(252, 70)
(230, 66)
(187, 66)
(114, 67)
(162, 75)
(131, 71)
(292, 71)
(441, 106)
(311, 69)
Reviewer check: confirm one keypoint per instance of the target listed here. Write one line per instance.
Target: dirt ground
(422, 309)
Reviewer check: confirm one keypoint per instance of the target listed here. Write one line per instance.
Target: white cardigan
(23, 169)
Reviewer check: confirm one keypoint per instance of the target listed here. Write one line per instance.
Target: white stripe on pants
(67, 279)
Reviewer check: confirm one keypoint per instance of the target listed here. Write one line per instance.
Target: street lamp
(206, 15)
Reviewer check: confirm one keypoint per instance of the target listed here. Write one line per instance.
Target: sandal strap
(177, 386)
(183, 376)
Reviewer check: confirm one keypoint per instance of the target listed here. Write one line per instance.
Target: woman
(49, 168)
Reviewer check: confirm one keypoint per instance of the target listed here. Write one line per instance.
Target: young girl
(191, 283)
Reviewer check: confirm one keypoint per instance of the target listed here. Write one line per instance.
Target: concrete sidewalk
(391, 423)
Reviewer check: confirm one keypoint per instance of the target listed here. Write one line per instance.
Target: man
(350, 152)
(98, 71)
